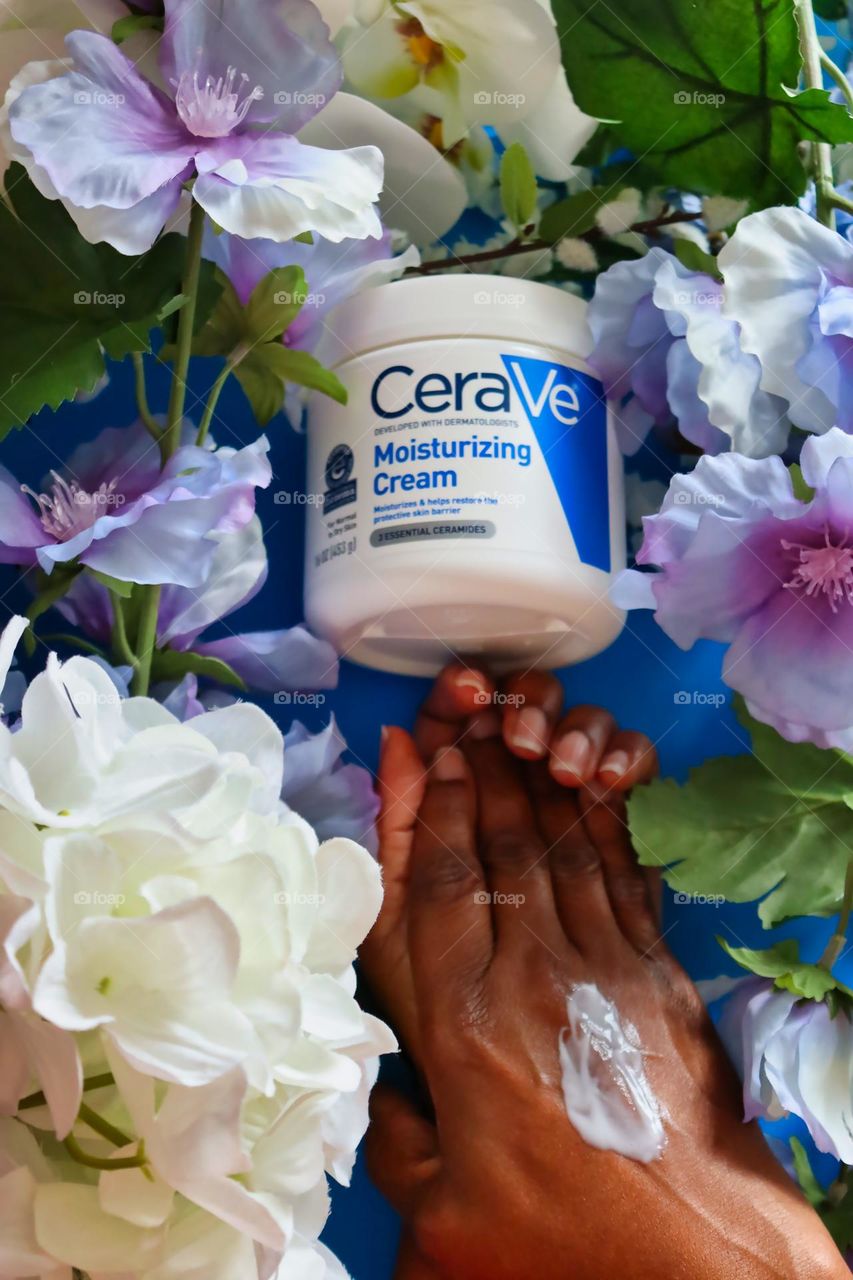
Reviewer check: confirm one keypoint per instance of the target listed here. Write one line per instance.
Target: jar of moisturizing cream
(469, 497)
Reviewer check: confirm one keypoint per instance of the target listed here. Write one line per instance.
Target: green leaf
(809, 1184)
(123, 590)
(831, 10)
(124, 28)
(704, 120)
(168, 664)
(576, 215)
(838, 1220)
(224, 328)
(64, 301)
(304, 370)
(802, 490)
(690, 255)
(518, 186)
(304, 237)
(262, 387)
(50, 589)
(782, 963)
(275, 303)
(739, 830)
(807, 772)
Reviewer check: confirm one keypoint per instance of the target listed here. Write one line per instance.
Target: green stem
(237, 355)
(813, 70)
(91, 1082)
(146, 635)
(145, 413)
(186, 324)
(838, 76)
(120, 642)
(103, 1127)
(111, 1163)
(838, 941)
(839, 201)
(146, 639)
(73, 642)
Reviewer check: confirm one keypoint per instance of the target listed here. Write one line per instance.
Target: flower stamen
(824, 570)
(67, 509)
(215, 108)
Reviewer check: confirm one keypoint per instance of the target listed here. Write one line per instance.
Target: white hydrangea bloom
(176, 993)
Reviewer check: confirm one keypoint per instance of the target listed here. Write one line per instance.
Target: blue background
(637, 679)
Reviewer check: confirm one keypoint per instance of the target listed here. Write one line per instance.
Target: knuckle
(574, 860)
(629, 890)
(512, 851)
(448, 877)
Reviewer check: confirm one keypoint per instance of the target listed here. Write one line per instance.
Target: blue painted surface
(637, 679)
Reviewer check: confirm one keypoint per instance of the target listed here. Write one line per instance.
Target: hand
(508, 884)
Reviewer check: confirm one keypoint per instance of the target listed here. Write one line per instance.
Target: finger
(459, 693)
(578, 744)
(533, 701)
(411, 1263)
(606, 822)
(577, 875)
(629, 760)
(449, 921)
(401, 1148)
(384, 955)
(511, 850)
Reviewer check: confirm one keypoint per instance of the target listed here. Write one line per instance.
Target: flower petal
(280, 46)
(275, 187)
(424, 195)
(277, 661)
(102, 133)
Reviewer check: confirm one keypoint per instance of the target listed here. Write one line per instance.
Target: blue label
(568, 413)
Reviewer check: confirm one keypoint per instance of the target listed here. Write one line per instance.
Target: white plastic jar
(469, 497)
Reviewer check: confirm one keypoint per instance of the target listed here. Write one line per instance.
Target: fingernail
(449, 765)
(616, 764)
(486, 725)
(473, 680)
(383, 735)
(571, 754)
(527, 729)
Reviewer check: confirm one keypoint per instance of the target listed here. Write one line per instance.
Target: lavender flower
(795, 1058)
(116, 511)
(745, 562)
(789, 285)
(113, 145)
(330, 795)
(664, 348)
(270, 661)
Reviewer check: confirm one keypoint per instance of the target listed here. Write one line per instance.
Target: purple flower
(114, 509)
(789, 285)
(745, 562)
(794, 1057)
(664, 348)
(112, 144)
(336, 799)
(272, 661)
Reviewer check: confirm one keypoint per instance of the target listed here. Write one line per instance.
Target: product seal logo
(340, 489)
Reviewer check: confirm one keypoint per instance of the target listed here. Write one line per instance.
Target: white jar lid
(456, 306)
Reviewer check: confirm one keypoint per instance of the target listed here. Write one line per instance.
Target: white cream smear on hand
(608, 1096)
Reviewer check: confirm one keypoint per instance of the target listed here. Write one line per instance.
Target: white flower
(576, 255)
(489, 61)
(620, 215)
(176, 953)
